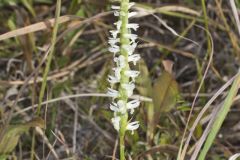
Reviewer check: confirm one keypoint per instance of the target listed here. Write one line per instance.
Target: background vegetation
(190, 56)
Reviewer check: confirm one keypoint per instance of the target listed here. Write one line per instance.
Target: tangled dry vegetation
(179, 41)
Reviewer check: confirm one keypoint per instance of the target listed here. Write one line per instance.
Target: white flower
(132, 14)
(120, 106)
(114, 33)
(129, 87)
(116, 122)
(130, 36)
(121, 61)
(116, 13)
(114, 107)
(117, 73)
(115, 7)
(132, 105)
(133, 126)
(118, 24)
(134, 58)
(130, 48)
(122, 71)
(131, 4)
(113, 41)
(131, 73)
(112, 93)
(114, 49)
(133, 26)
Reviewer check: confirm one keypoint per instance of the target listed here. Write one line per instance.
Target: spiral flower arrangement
(122, 44)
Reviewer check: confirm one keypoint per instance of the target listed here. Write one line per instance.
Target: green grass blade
(220, 118)
(46, 71)
(50, 56)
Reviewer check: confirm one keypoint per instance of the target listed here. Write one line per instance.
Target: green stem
(124, 79)
(122, 147)
(124, 41)
(123, 125)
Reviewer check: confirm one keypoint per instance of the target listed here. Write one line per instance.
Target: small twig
(141, 98)
(182, 151)
(161, 148)
(37, 27)
(40, 131)
(235, 13)
(115, 150)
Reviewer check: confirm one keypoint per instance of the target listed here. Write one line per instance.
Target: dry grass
(75, 107)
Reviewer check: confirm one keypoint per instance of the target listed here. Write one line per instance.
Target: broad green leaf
(165, 93)
(13, 133)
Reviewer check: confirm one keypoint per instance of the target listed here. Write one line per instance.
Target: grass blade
(220, 118)
(50, 56)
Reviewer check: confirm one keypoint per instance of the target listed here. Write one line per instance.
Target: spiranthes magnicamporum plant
(122, 45)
